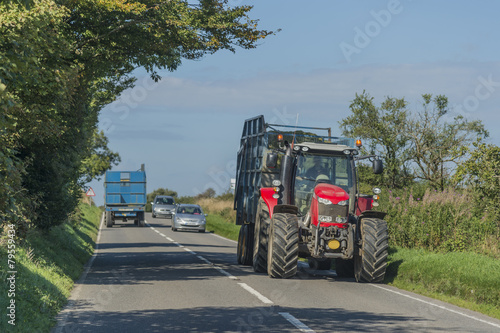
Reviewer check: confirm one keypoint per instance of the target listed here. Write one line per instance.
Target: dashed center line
(295, 322)
(245, 286)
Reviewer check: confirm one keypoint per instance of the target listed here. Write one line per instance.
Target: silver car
(189, 217)
(163, 206)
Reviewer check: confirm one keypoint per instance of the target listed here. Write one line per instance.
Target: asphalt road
(152, 279)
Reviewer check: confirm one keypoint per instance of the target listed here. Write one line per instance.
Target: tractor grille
(332, 210)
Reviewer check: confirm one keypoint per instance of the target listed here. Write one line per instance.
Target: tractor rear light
(376, 197)
(358, 143)
(376, 190)
(280, 137)
(276, 182)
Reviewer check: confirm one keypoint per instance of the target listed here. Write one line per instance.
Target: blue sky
(186, 128)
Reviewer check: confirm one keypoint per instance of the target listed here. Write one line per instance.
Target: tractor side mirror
(378, 166)
(272, 160)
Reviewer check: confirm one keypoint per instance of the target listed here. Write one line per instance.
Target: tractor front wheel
(370, 263)
(283, 247)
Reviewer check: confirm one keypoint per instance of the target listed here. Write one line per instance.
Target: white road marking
(229, 275)
(436, 305)
(295, 322)
(204, 259)
(190, 251)
(254, 292)
(224, 238)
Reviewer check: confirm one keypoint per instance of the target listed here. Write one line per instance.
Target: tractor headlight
(324, 218)
(324, 201)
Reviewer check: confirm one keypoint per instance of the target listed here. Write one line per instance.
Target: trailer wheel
(140, 219)
(261, 236)
(109, 219)
(371, 262)
(245, 245)
(283, 249)
(319, 264)
(344, 268)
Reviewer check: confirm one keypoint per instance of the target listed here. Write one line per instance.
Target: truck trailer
(297, 196)
(125, 196)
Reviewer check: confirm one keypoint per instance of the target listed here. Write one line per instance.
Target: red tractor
(297, 196)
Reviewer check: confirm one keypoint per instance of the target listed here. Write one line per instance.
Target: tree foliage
(62, 61)
(481, 171)
(435, 140)
(383, 130)
(414, 145)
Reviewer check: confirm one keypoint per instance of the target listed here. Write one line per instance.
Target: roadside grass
(465, 279)
(47, 264)
(220, 226)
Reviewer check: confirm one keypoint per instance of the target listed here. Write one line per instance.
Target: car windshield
(165, 201)
(189, 210)
(312, 169)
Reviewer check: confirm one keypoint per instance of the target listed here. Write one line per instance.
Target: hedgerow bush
(439, 221)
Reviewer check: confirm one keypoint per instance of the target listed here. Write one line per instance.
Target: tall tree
(64, 60)
(435, 139)
(383, 129)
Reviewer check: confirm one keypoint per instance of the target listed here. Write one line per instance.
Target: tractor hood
(331, 192)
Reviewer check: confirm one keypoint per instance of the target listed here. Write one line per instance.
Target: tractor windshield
(313, 168)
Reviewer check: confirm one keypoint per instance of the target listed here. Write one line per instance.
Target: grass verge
(220, 226)
(467, 280)
(47, 264)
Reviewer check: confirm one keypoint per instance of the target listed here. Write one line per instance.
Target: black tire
(153, 215)
(140, 219)
(174, 229)
(323, 264)
(283, 249)
(202, 230)
(371, 262)
(245, 245)
(261, 236)
(344, 268)
(109, 219)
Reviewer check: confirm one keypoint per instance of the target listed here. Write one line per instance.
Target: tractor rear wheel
(370, 263)
(245, 245)
(283, 247)
(109, 219)
(261, 236)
